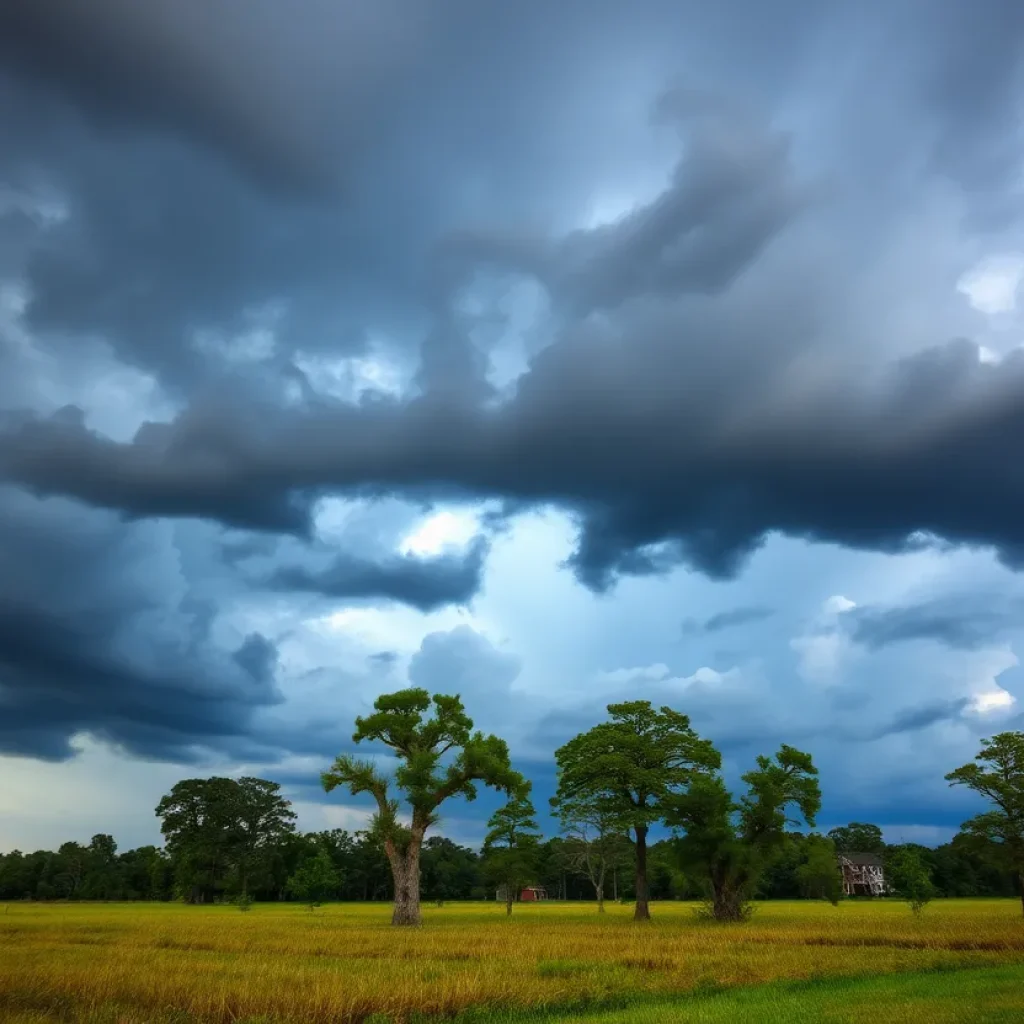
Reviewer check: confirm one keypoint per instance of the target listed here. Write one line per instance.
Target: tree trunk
(1020, 882)
(615, 884)
(405, 869)
(600, 899)
(642, 911)
(508, 899)
(726, 905)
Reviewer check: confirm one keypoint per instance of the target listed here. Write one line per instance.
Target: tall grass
(135, 963)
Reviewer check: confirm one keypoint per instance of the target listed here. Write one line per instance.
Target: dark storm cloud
(423, 583)
(965, 623)
(89, 643)
(703, 486)
(341, 178)
(241, 76)
(918, 718)
(743, 616)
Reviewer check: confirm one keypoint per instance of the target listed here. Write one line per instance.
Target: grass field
(163, 963)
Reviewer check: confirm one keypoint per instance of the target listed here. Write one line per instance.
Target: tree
(1000, 779)
(729, 843)
(101, 879)
(315, 880)
(909, 878)
(218, 827)
(420, 743)
(510, 847)
(819, 876)
(594, 840)
(74, 859)
(628, 768)
(262, 818)
(857, 837)
(447, 870)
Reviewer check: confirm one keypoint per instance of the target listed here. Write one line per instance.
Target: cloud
(122, 63)
(465, 662)
(650, 673)
(424, 583)
(97, 637)
(964, 622)
(729, 619)
(450, 269)
(822, 650)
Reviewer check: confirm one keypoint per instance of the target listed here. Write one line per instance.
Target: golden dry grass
(163, 962)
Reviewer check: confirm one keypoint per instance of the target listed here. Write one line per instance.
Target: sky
(549, 354)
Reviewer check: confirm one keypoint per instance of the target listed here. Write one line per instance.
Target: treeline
(448, 871)
(641, 768)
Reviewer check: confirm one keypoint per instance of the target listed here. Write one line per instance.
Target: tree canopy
(998, 775)
(402, 723)
(219, 829)
(510, 847)
(628, 768)
(728, 843)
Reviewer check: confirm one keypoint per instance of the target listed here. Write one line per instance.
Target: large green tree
(218, 829)
(819, 875)
(629, 768)
(421, 742)
(998, 775)
(857, 837)
(510, 847)
(728, 843)
(262, 818)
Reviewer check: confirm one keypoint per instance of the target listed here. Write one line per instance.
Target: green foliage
(627, 770)
(315, 880)
(220, 831)
(510, 846)
(447, 870)
(594, 840)
(819, 875)
(909, 878)
(421, 741)
(857, 837)
(627, 767)
(727, 843)
(998, 776)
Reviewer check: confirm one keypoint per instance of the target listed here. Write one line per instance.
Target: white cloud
(822, 650)
(837, 605)
(991, 286)
(982, 672)
(988, 701)
(820, 655)
(444, 530)
(620, 676)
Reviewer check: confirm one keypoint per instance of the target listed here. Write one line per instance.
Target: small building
(863, 874)
(528, 894)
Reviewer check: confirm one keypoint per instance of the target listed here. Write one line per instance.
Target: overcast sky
(553, 354)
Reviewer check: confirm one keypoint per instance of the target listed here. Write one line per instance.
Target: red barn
(533, 893)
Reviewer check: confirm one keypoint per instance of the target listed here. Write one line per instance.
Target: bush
(910, 879)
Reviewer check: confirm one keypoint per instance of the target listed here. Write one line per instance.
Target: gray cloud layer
(684, 224)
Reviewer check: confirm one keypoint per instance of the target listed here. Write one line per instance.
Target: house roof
(862, 860)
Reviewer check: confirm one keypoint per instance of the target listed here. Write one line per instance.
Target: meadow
(159, 963)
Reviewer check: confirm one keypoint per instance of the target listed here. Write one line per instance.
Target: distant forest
(237, 837)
